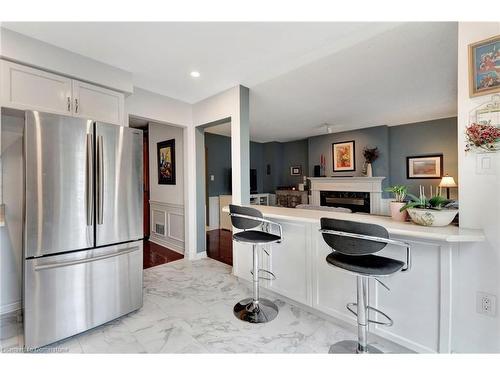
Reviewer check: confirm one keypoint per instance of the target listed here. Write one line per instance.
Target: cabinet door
(27, 88)
(97, 103)
(290, 263)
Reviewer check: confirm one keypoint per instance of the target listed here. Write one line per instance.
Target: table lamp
(447, 182)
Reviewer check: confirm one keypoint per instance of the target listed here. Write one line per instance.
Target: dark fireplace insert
(355, 201)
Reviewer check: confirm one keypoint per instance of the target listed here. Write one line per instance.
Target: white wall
(172, 204)
(167, 201)
(166, 193)
(11, 234)
(234, 104)
(478, 265)
(149, 105)
(25, 50)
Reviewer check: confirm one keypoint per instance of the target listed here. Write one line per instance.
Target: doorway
(218, 192)
(157, 249)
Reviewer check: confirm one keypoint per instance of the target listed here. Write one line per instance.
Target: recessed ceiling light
(195, 74)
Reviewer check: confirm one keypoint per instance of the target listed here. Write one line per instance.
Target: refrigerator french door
(83, 225)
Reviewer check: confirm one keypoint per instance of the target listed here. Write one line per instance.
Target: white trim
(153, 227)
(169, 233)
(168, 245)
(199, 256)
(11, 307)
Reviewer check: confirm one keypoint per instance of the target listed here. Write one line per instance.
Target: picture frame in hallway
(166, 162)
(484, 67)
(344, 156)
(425, 166)
(296, 170)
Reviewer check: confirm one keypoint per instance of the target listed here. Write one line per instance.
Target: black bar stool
(255, 309)
(353, 245)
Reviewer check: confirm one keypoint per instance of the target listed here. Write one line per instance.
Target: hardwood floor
(155, 255)
(220, 245)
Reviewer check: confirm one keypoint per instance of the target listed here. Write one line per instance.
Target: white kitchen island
(420, 301)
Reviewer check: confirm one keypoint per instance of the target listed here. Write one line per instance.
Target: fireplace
(354, 200)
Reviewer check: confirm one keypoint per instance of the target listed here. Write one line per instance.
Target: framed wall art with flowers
(484, 67)
(343, 156)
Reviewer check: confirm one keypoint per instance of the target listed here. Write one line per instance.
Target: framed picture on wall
(343, 156)
(484, 67)
(166, 162)
(428, 166)
(296, 170)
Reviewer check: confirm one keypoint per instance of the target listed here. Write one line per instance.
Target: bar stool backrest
(244, 223)
(350, 245)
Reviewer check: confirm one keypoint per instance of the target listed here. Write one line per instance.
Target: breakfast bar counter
(450, 233)
(419, 301)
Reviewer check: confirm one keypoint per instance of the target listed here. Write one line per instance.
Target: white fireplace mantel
(372, 185)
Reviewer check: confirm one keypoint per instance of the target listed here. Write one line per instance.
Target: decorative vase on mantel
(369, 171)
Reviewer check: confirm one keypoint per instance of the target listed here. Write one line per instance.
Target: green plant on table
(436, 202)
(399, 192)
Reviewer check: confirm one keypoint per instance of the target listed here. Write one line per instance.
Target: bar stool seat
(369, 265)
(353, 245)
(256, 232)
(256, 236)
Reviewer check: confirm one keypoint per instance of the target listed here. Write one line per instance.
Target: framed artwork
(166, 162)
(343, 156)
(484, 67)
(296, 170)
(429, 166)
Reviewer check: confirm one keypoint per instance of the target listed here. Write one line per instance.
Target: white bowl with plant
(433, 212)
(398, 203)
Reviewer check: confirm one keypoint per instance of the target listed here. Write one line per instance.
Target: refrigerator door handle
(100, 181)
(85, 260)
(89, 186)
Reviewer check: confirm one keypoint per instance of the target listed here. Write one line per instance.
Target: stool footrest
(271, 277)
(387, 323)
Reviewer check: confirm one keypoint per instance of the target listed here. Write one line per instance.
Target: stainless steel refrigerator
(83, 225)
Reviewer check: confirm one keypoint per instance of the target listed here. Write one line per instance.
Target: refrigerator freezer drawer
(71, 293)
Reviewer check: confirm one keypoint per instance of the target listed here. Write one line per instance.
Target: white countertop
(449, 233)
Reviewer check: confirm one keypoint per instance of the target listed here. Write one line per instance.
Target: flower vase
(369, 171)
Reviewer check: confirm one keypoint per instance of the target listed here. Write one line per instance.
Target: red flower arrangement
(481, 136)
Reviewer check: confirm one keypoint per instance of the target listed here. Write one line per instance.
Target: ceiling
(300, 75)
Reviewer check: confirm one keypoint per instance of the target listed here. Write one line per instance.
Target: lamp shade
(447, 182)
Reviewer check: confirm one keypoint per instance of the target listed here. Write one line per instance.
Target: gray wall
(429, 137)
(280, 157)
(394, 143)
(218, 164)
(294, 154)
(372, 137)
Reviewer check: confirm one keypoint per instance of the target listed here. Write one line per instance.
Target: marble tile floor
(188, 309)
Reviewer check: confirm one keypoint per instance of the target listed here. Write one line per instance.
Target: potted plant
(398, 203)
(436, 211)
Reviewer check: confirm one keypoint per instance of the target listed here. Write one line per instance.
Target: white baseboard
(201, 255)
(11, 307)
(167, 244)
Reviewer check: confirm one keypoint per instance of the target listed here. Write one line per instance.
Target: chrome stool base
(351, 347)
(262, 312)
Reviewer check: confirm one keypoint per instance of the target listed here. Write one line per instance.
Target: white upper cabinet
(27, 88)
(32, 89)
(97, 103)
